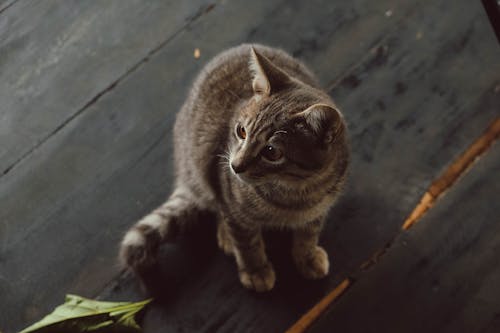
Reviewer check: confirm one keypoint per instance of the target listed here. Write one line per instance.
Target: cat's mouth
(249, 178)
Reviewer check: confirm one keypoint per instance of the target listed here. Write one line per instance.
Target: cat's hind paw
(314, 265)
(260, 280)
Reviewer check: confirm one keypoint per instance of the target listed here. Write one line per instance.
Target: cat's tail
(139, 247)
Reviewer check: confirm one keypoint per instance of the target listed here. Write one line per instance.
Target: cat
(258, 143)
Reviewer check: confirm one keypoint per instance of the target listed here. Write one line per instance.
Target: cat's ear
(267, 78)
(324, 120)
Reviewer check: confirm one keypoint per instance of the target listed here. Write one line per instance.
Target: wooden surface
(441, 276)
(59, 57)
(89, 92)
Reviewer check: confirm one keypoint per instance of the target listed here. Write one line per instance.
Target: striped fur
(283, 170)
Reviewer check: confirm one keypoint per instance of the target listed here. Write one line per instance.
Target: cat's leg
(139, 247)
(223, 238)
(255, 270)
(311, 260)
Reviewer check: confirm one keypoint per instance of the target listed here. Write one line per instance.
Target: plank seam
(313, 314)
(460, 166)
(457, 169)
(113, 283)
(7, 7)
(202, 11)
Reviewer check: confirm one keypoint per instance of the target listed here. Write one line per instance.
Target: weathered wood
(442, 275)
(5, 4)
(64, 209)
(58, 56)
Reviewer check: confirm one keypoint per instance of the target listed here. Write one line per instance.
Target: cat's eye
(240, 132)
(271, 153)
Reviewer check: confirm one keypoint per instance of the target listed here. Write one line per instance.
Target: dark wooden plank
(442, 275)
(111, 164)
(56, 57)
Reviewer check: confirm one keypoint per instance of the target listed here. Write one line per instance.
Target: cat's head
(288, 131)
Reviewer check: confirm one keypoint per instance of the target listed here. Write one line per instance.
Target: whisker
(225, 157)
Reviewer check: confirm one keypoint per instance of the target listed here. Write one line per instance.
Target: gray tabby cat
(258, 143)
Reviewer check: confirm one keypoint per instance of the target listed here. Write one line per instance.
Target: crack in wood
(7, 6)
(310, 317)
(457, 169)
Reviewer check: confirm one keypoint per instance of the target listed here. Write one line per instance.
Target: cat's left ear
(267, 78)
(325, 121)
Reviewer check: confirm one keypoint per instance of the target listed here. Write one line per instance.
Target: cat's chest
(272, 215)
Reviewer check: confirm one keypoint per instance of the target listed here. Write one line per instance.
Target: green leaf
(80, 314)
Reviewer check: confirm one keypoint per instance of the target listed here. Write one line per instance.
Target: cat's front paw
(261, 279)
(314, 264)
(139, 247)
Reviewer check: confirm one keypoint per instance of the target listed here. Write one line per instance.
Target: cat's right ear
(267, 78)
